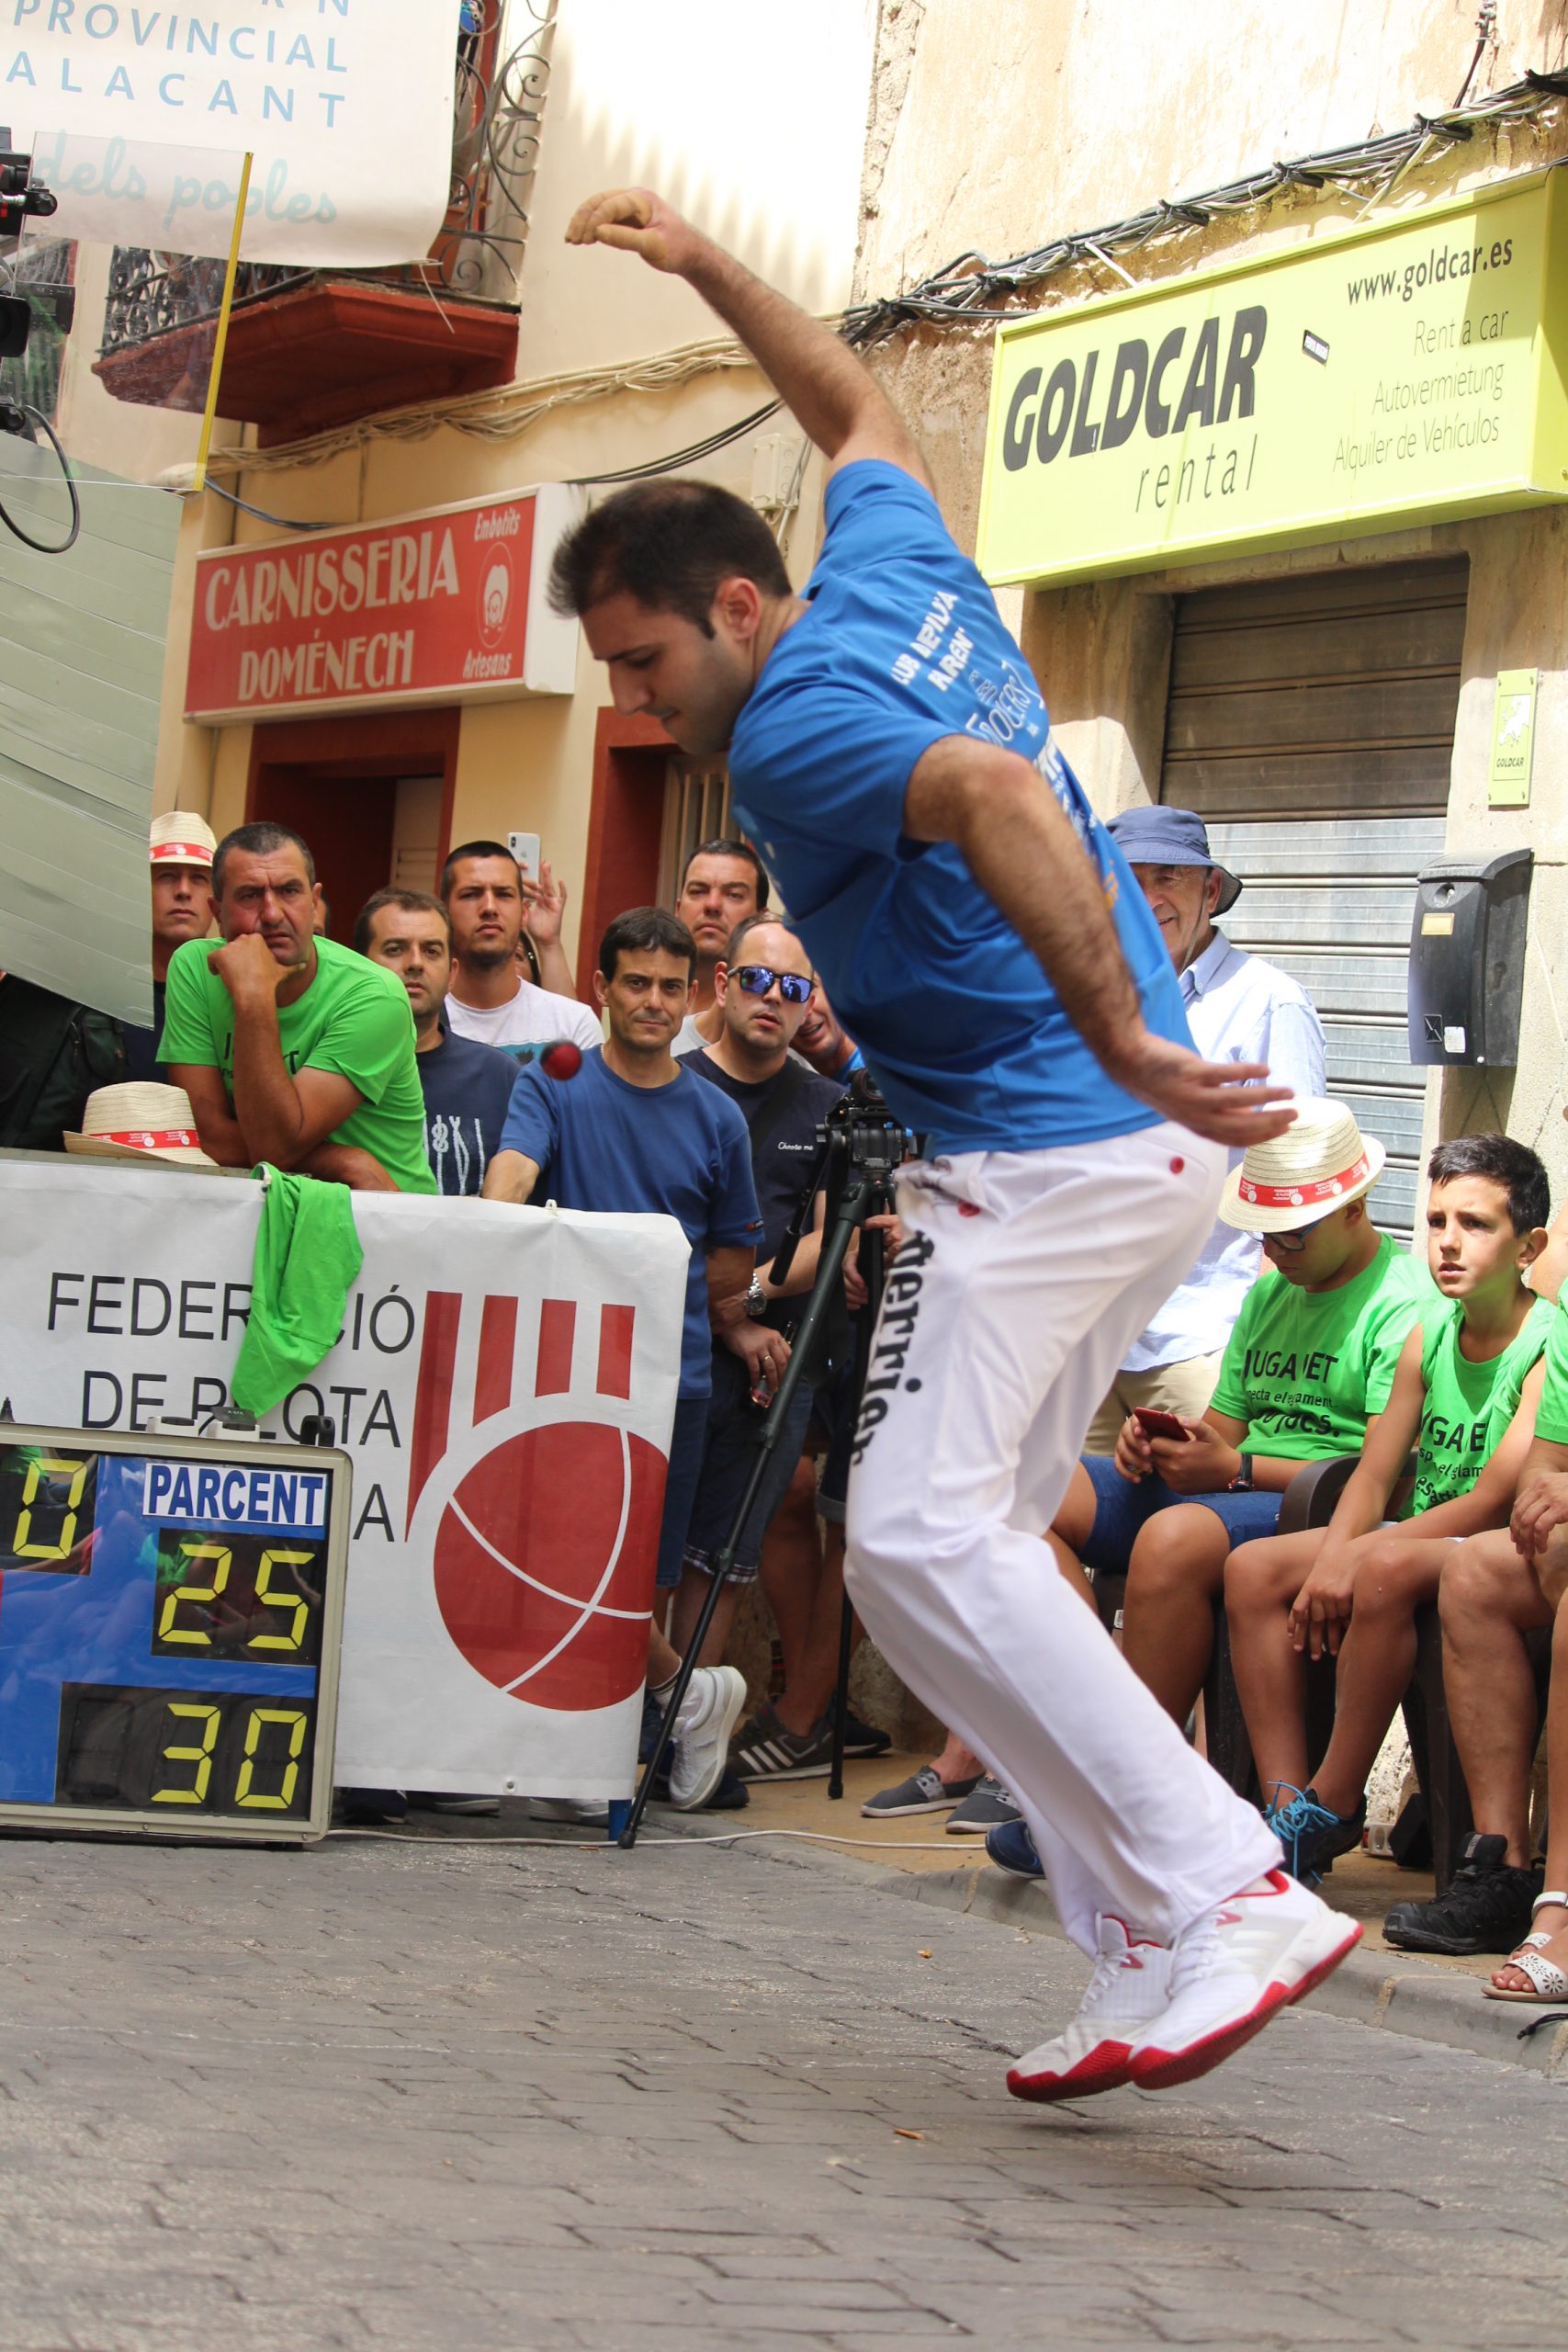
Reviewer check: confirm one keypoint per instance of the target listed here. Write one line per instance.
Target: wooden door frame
(371, 744)
(625, 830)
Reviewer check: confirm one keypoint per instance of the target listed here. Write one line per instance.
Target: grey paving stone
(428, 2096)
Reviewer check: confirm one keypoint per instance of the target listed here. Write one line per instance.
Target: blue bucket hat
(1171, 837)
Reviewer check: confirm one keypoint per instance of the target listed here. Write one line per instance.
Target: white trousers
(1025, 1278)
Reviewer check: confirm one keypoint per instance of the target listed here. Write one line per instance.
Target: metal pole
(851, 1210)
(873, 1266)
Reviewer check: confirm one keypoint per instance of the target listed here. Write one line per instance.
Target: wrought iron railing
(496, 151)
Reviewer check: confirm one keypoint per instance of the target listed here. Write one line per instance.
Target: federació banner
(1413, 371)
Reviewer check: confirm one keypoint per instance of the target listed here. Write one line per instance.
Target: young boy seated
(1463, 1398)
(1311, 1360)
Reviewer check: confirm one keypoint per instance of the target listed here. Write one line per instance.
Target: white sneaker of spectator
(709, 1713)
(587, 1812)
(1130, 1988)
(1233, 1970)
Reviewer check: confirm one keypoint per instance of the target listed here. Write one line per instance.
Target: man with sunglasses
(762, 991)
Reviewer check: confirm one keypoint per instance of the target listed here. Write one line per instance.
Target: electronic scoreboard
(170, 1614)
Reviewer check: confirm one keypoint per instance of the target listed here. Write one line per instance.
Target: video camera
(861, 1132)
(20, 198)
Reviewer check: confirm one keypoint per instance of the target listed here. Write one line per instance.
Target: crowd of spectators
(415, 1061)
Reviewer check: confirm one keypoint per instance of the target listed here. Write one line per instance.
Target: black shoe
(986, 1807)
(764, 1749)
(732, 1795)
(1311, 1832)
(860, 1739)
(372, 1808)
(1486, 1909)
(1011, 1848)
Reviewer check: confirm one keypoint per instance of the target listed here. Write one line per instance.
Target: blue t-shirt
(682, 1149)
(466, 1088)
(902, 646)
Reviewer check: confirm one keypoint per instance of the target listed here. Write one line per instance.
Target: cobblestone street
(465, 2096)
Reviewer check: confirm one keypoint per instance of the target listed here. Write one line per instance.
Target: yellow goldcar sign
(1412, 372)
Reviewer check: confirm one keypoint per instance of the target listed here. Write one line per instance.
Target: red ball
(561, 1060)
(544, 1564)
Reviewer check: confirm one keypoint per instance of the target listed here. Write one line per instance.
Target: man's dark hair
(409, 902)
(742, 931)
(476, 849)
(644, 927)
(668, 544)
(722, 846)
(260, 840)
(1513, 1165)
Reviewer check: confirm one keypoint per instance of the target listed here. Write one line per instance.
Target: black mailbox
(1467, 960)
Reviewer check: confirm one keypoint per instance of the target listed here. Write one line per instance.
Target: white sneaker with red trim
(1130, 1988)
(1232, 1970)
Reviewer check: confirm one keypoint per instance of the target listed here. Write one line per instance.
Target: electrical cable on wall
(15, 416)
(284, 522)
(960, 293)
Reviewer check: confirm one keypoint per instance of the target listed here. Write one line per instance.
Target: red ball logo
(561, 1060)
(544, 1564)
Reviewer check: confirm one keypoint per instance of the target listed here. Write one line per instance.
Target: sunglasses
(1294, 1238)
(757, 979)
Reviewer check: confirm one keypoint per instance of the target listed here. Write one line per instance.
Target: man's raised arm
(831, 393)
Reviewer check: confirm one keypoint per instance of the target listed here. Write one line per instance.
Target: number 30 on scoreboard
(170, 1612)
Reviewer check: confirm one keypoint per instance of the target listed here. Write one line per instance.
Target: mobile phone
(525, 848)
(1154, 1423)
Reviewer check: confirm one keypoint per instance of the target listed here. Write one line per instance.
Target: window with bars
(696, 808)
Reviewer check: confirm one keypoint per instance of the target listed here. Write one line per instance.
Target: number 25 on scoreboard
(241, 1594)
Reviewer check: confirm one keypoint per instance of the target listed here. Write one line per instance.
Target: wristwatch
(1243, 1482)
(756, 1301)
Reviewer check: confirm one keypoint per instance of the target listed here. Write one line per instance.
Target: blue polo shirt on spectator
(683, 1149)
(466, 1088)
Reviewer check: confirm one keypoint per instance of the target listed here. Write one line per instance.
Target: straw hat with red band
(180, 839)
(139, 1122)
(1321, 1161)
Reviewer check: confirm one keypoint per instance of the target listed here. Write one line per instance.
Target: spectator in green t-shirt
(292, 1048)
(1498, 1589)
(1309, 1361)
(1463, 1400)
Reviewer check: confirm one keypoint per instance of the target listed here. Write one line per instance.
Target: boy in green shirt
(1310, 1360)
(1463, 1400)
(292, 1048)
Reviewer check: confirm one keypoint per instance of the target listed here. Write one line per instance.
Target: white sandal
(1548, 1982)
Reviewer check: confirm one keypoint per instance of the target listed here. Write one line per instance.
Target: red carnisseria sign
(395, 612)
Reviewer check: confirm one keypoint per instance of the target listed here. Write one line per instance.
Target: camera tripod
(859, 1145)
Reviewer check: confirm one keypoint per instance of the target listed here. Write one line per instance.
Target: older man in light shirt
(1240, 1009)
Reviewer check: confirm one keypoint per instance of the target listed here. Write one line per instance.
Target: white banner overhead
(504, 1384)
(137, 116)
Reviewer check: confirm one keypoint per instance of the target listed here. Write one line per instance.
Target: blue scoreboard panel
(170, 1613)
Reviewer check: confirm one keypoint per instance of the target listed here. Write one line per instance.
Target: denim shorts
(1121, 1509)
(681, 1478)
(729, 1455)
(836, 1414)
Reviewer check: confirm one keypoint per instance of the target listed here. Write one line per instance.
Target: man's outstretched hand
(636, 221)
(1223, 1101)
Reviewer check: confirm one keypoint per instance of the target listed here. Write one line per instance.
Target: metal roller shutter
(1311, 725)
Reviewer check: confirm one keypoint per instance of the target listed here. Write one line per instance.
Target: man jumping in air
(890, 756)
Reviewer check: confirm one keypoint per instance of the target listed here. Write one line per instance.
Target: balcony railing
(172, 300)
